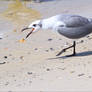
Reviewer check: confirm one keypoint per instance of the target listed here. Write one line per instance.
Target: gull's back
(75, 26)
(72, 20)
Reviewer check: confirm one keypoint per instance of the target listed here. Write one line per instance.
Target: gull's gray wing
(75, 26)
(73, 20)
(75, 32)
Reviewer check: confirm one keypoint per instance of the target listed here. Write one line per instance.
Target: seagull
(69, 25)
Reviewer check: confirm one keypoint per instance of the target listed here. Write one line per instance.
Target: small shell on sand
(2, 62)
(48, 69)
(21, 57)
(5, 57)
(81, 74)
(1, 35)
(5, 48)
(14, 30)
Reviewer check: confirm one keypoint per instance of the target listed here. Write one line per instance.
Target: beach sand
(32, 65)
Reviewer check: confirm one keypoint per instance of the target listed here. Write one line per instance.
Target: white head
(35, 26)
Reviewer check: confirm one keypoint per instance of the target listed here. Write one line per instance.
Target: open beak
(30, 32)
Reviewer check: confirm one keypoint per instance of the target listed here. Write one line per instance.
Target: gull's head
(34, 26)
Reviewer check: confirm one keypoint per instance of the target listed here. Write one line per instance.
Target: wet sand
(33, 66)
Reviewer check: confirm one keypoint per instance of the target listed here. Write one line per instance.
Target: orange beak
(30, 32)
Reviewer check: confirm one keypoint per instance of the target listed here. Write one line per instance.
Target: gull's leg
(74, 53)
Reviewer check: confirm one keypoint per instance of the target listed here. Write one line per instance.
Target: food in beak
(30, 32)
(22, 40)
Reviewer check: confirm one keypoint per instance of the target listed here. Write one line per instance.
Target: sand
(32, 65)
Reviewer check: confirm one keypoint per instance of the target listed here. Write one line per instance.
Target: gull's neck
(51, 23)
(48, 23)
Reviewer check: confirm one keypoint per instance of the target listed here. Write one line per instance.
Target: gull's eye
(34, 25)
